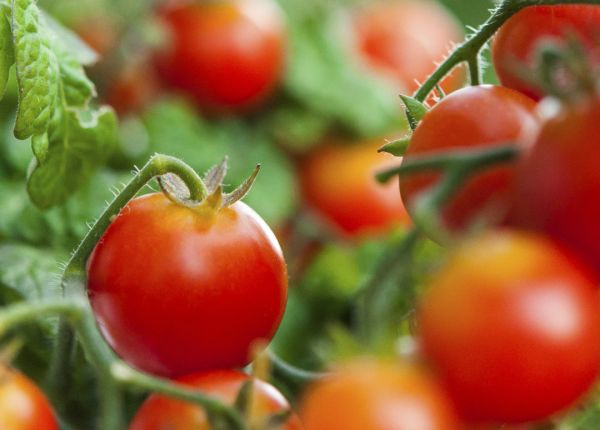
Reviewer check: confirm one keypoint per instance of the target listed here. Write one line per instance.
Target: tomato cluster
(190, 284)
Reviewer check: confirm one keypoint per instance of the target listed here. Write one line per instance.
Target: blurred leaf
(322, 76)
(202, 145)
(67, 155)
(69, 43)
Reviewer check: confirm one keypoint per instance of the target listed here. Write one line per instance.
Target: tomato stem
(291, 373)
(470, 49)
(113, 373)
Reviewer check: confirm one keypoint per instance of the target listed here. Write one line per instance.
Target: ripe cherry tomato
(338, 180)
(22, 405)
(558, 181)
(512, 324)
(377, 396)
(160, 412)
(403, 39)
(177, 290)
(517, 41)
(227, 55)
(482, 116)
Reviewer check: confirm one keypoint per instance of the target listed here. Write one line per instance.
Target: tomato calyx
(215, 199)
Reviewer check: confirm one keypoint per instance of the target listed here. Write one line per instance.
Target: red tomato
(377, 396)
(160, 412)
(22, 405)
(512, 324)
(338, 180)
(227, 55)
(558, 182)
(176, 290)
(517, 41)
(472, 117)
(404, 39)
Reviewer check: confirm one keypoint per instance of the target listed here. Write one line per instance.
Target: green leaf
(28, 273)
(7, 56)
(415, 110)
(68, 154)
(37, 71)
(396, 147)
(323, 78)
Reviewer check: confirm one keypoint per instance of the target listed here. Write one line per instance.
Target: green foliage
(203, 144)
(323, 75)
(6, 52)
(69, 140)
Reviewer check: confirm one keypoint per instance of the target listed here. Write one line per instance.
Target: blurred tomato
(404, 39)
(512, 323)
(515, 45)
(133, 88)
(227, 55)
(160, 412)
(338, 181)
(471, 118)
(371, 395)
(22, 405)
(558, 181)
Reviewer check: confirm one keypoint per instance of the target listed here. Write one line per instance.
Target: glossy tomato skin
(227, 55)
(517, 40)
(471, 118)
(403, 39)
(377, 396)
(176, 291)
(558, 181)
(22, 405)
(338, 181)
(511, 323)
(160, 412)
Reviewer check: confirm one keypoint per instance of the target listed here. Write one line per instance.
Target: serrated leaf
(7, 56)
(397, 147)
(415, 110)
(37, 71)
(75, 148)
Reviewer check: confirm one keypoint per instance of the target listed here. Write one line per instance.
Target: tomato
(227, 55)
(132, 88)
(404, 39)
(558, 181)
(160, 412)
(377, 396)
(177, 290)
(512, 323)
(22, 405)
(473, 117)
(338, 181)
(517, 41)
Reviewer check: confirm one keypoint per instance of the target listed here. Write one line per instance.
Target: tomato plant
(160, 412)
(22, 405)
(404, 39)
(473, 117)
(181, 289)
(511, 323)
(559, 177)
(515, 45)
(377, 396)
(338, 182)
(226, 55)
